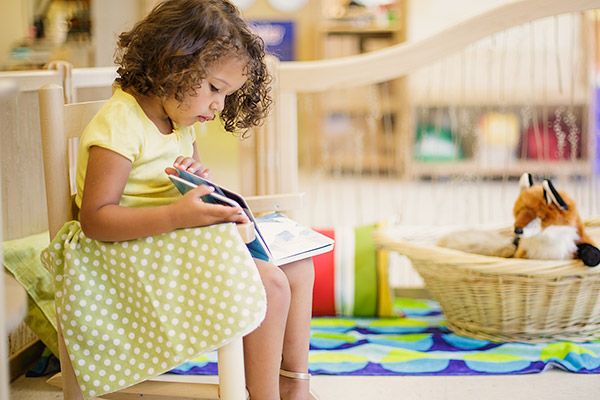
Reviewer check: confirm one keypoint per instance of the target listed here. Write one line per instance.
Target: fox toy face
(548, 225)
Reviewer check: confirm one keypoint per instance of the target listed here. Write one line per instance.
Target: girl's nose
(218, 105)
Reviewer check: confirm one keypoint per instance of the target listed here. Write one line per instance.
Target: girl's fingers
(191, 165)
(221, 212)
(201, 191)
(178, 161)
(171, 171)
(186, 163)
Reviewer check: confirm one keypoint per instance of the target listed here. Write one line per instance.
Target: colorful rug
(420, 344)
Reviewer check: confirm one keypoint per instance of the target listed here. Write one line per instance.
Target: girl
(165, 279)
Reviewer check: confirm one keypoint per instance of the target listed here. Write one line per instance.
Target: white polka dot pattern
(132, 310)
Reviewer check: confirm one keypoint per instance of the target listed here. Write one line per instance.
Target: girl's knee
(276, 283)
(308, 269)
(300, 272)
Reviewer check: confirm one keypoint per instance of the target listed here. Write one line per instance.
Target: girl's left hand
(190, 165)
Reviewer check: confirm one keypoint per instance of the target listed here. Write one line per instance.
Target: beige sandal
(298, 375)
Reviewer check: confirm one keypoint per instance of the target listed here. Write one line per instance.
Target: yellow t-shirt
(122, 126)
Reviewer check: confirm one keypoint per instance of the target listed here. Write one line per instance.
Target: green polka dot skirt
(132, 310)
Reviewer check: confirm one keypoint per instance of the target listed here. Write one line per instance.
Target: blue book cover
(187, 181)
(278, 238)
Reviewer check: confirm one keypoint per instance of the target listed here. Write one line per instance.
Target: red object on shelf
(544, 145)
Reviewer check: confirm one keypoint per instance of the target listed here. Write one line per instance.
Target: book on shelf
(279, 239)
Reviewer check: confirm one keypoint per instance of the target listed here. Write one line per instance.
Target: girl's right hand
(190, 165)
(191, 211)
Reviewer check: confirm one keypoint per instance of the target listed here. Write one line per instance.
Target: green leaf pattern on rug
(562, 349)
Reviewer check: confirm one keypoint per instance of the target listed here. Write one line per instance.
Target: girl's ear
(551, 195)
(526, 181)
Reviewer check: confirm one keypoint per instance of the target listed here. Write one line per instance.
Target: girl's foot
(295, 385)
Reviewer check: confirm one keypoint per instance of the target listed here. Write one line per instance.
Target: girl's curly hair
(172, 49)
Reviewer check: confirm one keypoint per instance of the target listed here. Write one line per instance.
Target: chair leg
(70, 387)
(232, 379)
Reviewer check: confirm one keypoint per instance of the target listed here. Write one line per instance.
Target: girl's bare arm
(103, 219)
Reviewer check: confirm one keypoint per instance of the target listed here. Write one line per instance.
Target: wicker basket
(507, 299)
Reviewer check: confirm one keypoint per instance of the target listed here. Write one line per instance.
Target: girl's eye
(214, 89)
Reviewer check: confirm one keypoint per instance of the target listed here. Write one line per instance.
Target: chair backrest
(60, 123)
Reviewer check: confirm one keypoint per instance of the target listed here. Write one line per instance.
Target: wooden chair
(61, 123)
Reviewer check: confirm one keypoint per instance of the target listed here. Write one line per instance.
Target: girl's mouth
(202, 118)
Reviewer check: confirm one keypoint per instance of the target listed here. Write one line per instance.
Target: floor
(548, 385)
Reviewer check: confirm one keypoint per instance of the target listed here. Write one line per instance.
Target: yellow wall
(219, 151)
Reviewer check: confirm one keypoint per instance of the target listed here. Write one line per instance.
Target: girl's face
(202, 102)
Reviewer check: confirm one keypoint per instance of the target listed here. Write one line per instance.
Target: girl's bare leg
(263, 347)
(296, 341)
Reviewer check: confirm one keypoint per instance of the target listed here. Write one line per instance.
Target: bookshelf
(543, 69)
(522, 100)
(364, 120)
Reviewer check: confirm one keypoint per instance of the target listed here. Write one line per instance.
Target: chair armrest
(276, 202)
(247, 231)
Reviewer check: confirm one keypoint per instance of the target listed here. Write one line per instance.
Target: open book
(279, 239)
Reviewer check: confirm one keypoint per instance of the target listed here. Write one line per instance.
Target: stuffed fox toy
(548, 225)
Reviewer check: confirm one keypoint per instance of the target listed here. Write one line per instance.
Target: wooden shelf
(480, 98)
(359, 28)
(472, 168)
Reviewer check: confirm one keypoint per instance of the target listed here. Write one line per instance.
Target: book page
(290, 241)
